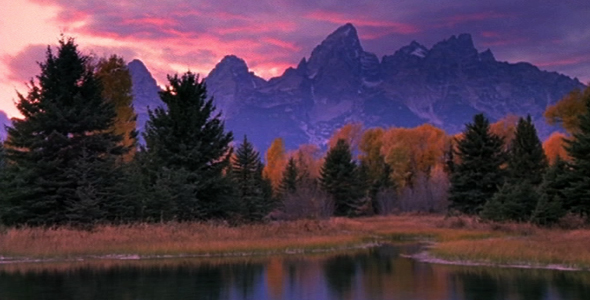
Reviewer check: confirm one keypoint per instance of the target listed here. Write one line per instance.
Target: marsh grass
(542, 248)
(457, 238)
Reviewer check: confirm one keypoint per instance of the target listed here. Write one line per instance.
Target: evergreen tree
(526, 160)
(62, 150)
(254, 191)
(188, 150)
(526, 165)
(3, 182)
(479, 173)
(514, 202)
(578, 148)
(339, 178)
(552, 203)
(290, 178)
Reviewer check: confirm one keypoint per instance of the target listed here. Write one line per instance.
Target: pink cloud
(472, 17)
(490, 34)
(504, 42)
(282, 44)
(276, 35)
(339, 18)
(257, 27)
(151, 21)
(565, 61)
(24, 66)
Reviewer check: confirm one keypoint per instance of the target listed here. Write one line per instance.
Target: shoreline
(454, 240)
(4, 260)
(426, 257)
(423, 256)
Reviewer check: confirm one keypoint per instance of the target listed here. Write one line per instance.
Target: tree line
(73, 159)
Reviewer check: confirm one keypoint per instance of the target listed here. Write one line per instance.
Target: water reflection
(378, 273)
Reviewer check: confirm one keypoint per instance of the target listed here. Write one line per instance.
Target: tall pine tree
(479, 174)
(62, 153)
(526, 158)
(552, 204)
(578, 148)
(339, 178)
(526, 165)
(187, 152)
(290, 178)
(254, 191)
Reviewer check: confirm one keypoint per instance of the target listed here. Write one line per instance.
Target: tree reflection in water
(377, 273)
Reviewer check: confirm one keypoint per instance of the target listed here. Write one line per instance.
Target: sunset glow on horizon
(175, 36)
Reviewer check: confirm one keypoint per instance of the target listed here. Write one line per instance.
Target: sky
(173, 36)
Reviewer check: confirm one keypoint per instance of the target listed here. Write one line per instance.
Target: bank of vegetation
(458, 239)
(74, 181)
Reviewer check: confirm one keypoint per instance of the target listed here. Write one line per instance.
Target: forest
(73, 159)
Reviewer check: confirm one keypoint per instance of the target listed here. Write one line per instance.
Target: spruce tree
(526, 159)
(512, 202)
(552, 203)
(62, 152)
(578, 148)
(188, 150)
(526, 165)
(253, 190)
(290, 179)
(339, 178)
(479, 174)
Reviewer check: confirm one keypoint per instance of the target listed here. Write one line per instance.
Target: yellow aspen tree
(566, 111)
(116, 88)
(276, 160)
(554, 147)
(350, 132)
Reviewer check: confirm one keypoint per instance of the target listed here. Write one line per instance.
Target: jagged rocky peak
(459, 46)
(145, 93)
(302, 66)
(140, 73)
(137, 66)
(230, 64)
(342, 45)
(487, 56)
(407, 57)
(414, 49)
(236, 69)
(144, 89)
(344, 34)
(4, 121)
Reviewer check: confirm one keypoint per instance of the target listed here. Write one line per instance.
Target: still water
(378, 273)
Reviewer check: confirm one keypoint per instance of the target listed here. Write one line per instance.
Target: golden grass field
(455, 238)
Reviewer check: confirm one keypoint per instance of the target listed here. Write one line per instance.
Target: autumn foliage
(410, 151)
(276, 159)
(554, 147)
(566, 111)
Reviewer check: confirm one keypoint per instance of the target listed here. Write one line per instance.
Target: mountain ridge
(340, 82)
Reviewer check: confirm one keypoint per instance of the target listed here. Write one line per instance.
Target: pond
(376, 273)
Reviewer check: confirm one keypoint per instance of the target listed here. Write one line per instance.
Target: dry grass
(542, 248)
(457, 238)
(171, 239)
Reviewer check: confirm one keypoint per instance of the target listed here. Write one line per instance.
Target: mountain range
(340, 82)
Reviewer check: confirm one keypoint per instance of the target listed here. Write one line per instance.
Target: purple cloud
(553, 34)
(24, 66)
